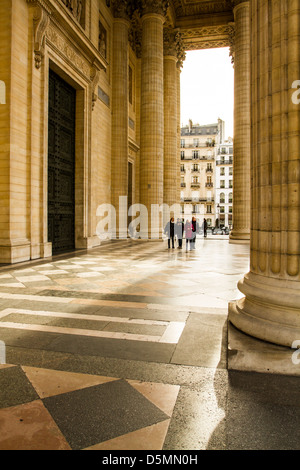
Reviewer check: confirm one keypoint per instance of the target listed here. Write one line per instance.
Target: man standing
(169, 231)
(205, 228)
(179, 229)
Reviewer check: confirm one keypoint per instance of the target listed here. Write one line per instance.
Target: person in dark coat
(195, 227)
(170, 232)
(205, 228)
(179, 229)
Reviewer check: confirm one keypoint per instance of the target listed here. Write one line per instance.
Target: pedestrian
(188, 234)
(205, 228)
(170, 232)
(179, 229)
(195, 227)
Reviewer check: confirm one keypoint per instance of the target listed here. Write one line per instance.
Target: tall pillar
(270, 310)
(119, 162)
(241, 143)
(170, 121)
(152, 109)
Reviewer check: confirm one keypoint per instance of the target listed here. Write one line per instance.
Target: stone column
(241, 144)
(119, 161)
(152, 109)
(270, 310)
(170, 122)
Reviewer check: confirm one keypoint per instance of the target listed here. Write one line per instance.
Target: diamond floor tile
(96, 414)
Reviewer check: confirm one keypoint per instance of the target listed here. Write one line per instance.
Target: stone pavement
(125, 348)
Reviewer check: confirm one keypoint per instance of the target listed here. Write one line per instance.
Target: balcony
(224, 162)
(209, 185)
(209, 170)
(183, 185)
(195, 185)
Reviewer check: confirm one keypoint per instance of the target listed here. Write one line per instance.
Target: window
(230, 171)
(222, 198)
(222, 171)
(222, 183)
(208, 209)
(182, 143)
(182, 154)
(195, 154)
(230, 184)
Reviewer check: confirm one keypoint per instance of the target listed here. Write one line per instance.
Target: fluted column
(170, 120)
(152, 108)
(271, 308)
(241, 144)
(119, 161)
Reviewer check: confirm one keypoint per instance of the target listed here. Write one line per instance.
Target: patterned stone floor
(121, 348)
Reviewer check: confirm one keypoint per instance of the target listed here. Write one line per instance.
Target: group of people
(190, 228)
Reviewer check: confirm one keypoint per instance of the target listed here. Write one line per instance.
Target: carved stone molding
(207, 37)
(69, 53)
(41, 20)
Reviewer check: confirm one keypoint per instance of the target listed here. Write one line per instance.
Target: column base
(239, 238)
(270, 310)
(252, 355)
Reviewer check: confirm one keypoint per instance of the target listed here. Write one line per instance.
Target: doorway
(61, 165)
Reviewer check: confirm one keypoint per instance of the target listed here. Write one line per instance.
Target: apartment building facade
(199, 150)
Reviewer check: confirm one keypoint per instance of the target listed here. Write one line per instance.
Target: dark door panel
(61, 165)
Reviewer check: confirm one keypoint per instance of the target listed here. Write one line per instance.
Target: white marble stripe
(79, 332)
(38, 298)
(80, 316)
(173, 332)
(165, 338)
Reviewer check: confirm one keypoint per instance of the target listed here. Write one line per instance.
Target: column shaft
(170, 132)
(271, 307)
(241, 176)
(152, 113)
(119, 184)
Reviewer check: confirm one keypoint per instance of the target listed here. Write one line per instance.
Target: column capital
(173, 44)
(170, 46)
(159, 7)
(231, 35)
(237, 3)
(122, 9)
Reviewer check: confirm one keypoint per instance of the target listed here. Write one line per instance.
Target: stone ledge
(253, 355)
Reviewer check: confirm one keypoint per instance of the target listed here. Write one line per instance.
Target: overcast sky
(207, 86)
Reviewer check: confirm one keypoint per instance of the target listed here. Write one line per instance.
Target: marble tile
(30, 427)
(49, 383)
